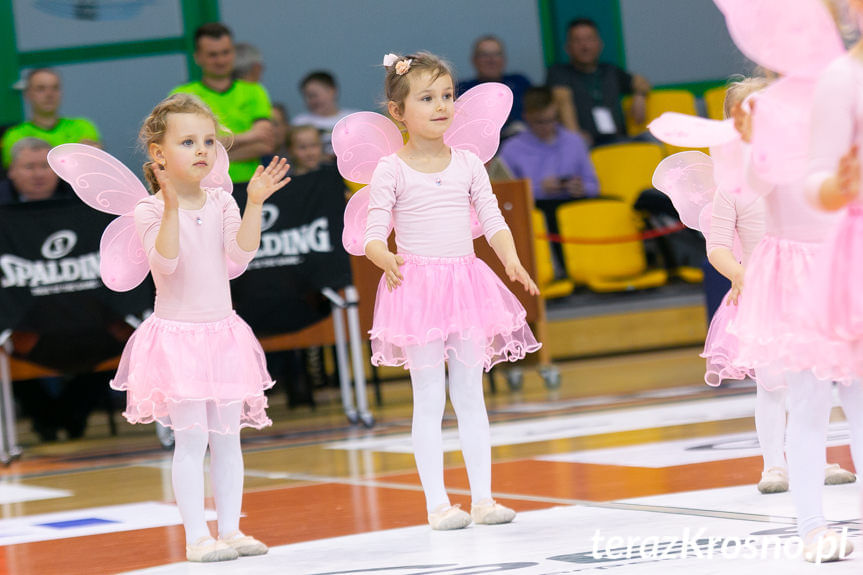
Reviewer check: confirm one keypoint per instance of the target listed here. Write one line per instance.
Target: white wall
(350, 38)
(676, 41)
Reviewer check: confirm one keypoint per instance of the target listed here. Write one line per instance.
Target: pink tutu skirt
(210, 375)
(771, 323)
(721, 347)
(459, 304)
(835, 299)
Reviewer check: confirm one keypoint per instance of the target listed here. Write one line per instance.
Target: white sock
(810, 401)
(187, 469)
(770, 425)
(227, 472)
(466, 395)
(429, 391)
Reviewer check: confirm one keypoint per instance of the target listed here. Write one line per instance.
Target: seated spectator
(321, 95)
(305, 149)
(248, 63)
(555, 160)
(30, 178)
(281, 128)
(489, 61)
(50, 402)
(589, 91)
(43, 93)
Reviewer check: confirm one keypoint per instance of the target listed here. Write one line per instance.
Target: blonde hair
(397, 86)
(156, 124)
(738, 91)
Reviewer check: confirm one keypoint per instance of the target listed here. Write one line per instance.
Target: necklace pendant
(199, 221)
(437, 181)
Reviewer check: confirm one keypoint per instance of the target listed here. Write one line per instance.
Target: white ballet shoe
(245, 545)
(207, 550)
(835, 475)
(445, 518)
(825, 545)
(773, 480)
(491, 513)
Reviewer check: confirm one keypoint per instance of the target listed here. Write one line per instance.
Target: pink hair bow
(390, 59)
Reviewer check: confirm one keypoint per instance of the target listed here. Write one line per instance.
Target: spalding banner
(51, 294)
(300, 254)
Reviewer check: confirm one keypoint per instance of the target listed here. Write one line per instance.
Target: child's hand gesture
(516, 272)
(267, 180)
(169, 193)
(848, 174)
(390, 266)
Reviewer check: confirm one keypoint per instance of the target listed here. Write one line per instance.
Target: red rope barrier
(647, 235)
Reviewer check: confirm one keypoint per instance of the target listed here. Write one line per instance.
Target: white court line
(18, 493)
(579, 425)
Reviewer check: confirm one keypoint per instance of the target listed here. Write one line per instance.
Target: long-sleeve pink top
(431, 211)
(836, 119)
(736, 212)
(194, 287)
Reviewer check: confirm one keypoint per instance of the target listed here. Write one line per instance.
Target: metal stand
(356, 412)
(9, 449)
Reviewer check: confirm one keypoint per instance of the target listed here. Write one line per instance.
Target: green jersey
(65, 131)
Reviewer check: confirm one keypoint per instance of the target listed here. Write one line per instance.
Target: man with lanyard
(594, 88)
(242, 107)
(43, 94)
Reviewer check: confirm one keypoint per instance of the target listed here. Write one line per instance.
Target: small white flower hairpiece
(402, 66)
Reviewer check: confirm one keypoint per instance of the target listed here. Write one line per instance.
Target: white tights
(466, 395)
(770, 422)
(809, 414)
(226, 468)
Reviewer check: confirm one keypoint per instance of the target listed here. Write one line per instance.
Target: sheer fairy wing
(356, 214)
(794, 38)
(688, 131)
(687, 179)
(360, 140)
(123, 263)
(218, 176)
(98, 178)
(781, 123)
(479, 115)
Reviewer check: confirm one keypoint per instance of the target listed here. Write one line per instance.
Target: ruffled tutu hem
(208, 375)
(721, 348)
(770, 324)
(457, 304)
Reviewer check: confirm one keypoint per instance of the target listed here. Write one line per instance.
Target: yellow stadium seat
(618, 264)
(625, 170)
(549, 287)
(659, 102)
(714, 102)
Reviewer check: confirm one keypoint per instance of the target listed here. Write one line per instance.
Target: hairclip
(402, 66)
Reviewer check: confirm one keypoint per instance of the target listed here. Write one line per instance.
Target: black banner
(301, 253)
(50, 290)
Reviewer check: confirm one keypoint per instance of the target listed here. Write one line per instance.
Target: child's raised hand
(390, 266)
(516, 272)
(267, 180)
(169, 193)
(848, 174)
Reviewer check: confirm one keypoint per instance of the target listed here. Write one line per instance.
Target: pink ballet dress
(834, 297)
(448, 295)
(771, 319)
(194, 354)
(731, 212)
